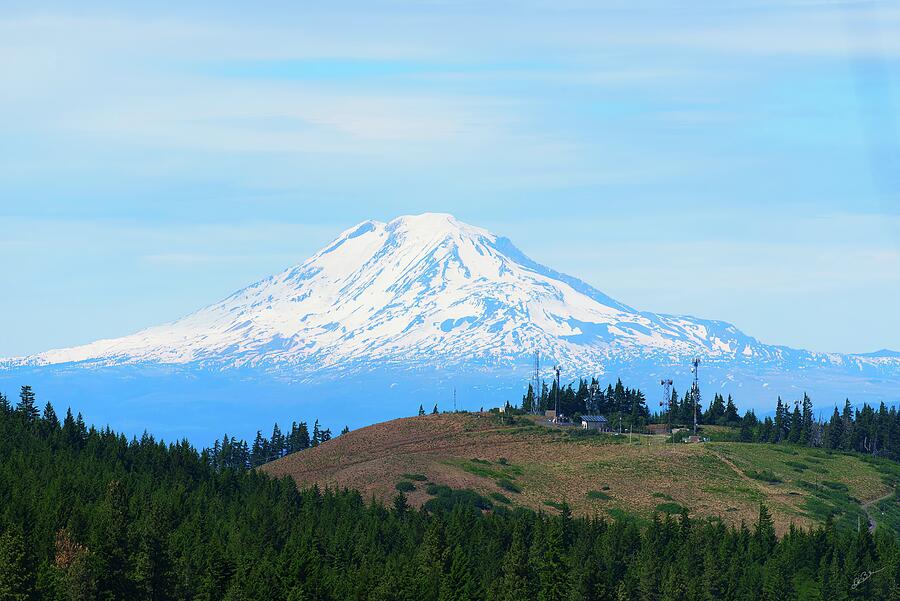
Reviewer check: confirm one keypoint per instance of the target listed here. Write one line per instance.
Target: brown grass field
(595, 475)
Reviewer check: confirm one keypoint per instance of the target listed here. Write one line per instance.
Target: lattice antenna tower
(667, 401)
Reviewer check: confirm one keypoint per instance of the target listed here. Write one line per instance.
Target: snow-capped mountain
(429, 289)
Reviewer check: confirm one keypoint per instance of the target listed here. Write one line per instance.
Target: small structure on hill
(594, 422)
(658, 429)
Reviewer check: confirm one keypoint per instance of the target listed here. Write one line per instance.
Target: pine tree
(16, 575)
(276, 450)
(152, 567)
(430, 560)
(401, 506)
(528, 401)
(258, 450)
(847, 419)
(317, 435)
(217, 575)
(730, 416)
(458, 584)
(26, 407)
(5, 407)
(553, 576)
(764, 540)
(303, 441)
(780, 432)
(51, 422)
(435, 410)
(346, 430)
(796, 425)
(421, 411)
(544, 402)
(806, 428)
(747, 426)
(716, 412)
(835, 431)
(514, 584)
(767, 430)
(81, 430)
(110, 545)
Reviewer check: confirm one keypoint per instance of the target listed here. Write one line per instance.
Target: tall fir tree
(553, 575)
(528, 401)
(458, 584)
(27, 407)
(796, 425)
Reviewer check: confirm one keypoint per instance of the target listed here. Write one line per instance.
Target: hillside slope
(594, 474)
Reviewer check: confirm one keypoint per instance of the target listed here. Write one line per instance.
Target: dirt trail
(771, 492)
(865, 507)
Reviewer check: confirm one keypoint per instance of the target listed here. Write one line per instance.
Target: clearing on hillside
(539, 467)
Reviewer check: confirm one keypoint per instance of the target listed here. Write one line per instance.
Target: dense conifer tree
(17, 577)
(27, 407)
(88, 514)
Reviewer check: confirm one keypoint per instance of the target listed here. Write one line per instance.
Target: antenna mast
(695, 391)
(558, 368)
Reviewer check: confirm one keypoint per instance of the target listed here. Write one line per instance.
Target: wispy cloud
(222, 143)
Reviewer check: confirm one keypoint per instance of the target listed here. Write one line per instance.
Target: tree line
(862, 429)
(229, 452)
(590, 398)
(86, 514)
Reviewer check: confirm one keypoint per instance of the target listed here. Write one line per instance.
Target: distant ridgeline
(86, 514)
(865, 430)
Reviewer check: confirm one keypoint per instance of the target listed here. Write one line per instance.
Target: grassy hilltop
(525, 464)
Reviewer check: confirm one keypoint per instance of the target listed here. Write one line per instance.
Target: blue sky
(732, 160)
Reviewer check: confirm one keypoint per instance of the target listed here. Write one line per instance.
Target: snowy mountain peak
(433, 225)
(423, 290)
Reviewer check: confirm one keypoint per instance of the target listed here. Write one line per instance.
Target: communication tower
(695, 389)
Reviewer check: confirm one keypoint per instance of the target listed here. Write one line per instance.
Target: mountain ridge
(419, 310)
(431, 289)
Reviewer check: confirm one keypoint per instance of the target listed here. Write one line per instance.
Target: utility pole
(557, 368)
(454, 399)
(696, 390)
